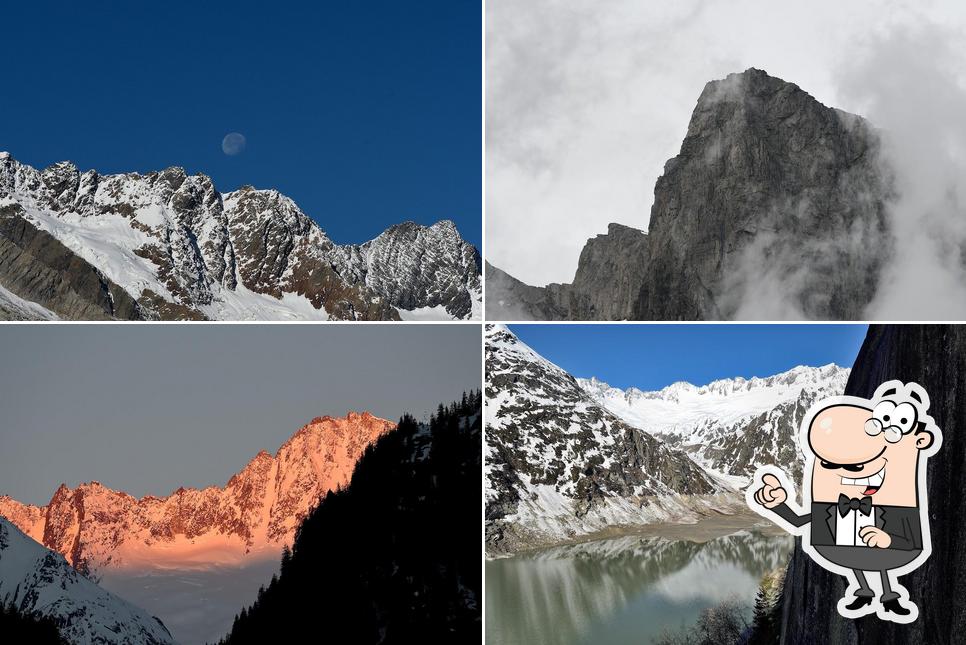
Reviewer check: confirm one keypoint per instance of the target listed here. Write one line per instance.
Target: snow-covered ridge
(565, 457)
(252, 516)
(181, 249)
(682, 405)
(36, 579)
(559, 464)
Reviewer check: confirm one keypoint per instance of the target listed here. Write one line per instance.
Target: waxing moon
(233, 144)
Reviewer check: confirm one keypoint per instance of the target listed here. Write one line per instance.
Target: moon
(233, 144)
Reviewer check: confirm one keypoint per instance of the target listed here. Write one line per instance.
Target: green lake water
(622, 590)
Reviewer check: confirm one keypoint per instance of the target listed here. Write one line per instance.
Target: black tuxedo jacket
(900, 522)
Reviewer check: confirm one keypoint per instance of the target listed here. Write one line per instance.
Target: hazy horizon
(148, 408)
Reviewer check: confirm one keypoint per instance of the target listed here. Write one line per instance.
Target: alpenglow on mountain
(774, 208)
(168, 245)
(568, 457)
(253, 516)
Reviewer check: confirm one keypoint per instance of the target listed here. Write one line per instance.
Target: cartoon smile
(847, 454)
(872, 483)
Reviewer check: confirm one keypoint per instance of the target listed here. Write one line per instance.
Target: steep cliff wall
(935, 357)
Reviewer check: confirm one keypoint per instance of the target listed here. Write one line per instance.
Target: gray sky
(587, 100)
(148, 408)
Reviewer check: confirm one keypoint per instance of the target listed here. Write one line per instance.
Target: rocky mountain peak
(256, 512)
(753, 84)
(179, 249)
(768, 211)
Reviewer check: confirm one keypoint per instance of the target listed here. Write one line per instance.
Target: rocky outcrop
(415, 267)
(934, 357)
(169, 245)
(260, 507)
(37, 268)
(509, 299)
(774, 208)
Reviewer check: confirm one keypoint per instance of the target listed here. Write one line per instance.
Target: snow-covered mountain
(36, 579)
(559, 464)
(729, 426)
(252, 516)
(567, 456)
(169, 245)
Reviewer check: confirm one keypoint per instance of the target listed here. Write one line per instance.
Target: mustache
(854, 467)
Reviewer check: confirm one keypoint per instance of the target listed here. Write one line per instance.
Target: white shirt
(847, 528)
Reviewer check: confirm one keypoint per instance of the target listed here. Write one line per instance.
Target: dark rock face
(611, 270)
(774, 208)
(281, 250)
(38, 268)
(934, 357)
(179, 249)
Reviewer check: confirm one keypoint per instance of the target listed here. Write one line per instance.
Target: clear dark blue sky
(653, 356)
(365, 113)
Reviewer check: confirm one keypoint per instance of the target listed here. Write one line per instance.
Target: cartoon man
(866, 506)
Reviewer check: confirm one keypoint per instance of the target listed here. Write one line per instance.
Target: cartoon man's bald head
(871, 450)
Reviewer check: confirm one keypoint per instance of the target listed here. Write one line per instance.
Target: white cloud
(586, 100)
(911, 84)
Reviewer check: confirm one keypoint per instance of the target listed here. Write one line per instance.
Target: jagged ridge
(729, 426)
(255, 513)
(176, 248)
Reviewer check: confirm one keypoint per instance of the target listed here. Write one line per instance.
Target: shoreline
(703, 530)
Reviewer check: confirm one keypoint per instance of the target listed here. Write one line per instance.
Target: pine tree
(766, 620)
(392, 557)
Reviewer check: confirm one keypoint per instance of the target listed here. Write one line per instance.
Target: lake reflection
(623, 590)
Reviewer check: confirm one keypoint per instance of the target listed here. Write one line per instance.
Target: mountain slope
(730, 426)
(559, 465)
(169, 245)
(393, 557)
(774, 208)
(253, 515)
(35, 579)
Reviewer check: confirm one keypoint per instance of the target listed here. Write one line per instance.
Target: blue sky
(653, 356)
(365, 113)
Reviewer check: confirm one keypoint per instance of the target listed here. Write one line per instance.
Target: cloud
(910, 83)
(587, 100)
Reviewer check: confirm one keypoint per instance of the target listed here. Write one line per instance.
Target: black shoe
(893, 607)
(859, 603)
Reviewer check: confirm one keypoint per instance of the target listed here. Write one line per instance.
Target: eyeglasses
(892, 433)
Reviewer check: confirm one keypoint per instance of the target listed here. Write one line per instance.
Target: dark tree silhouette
(17, 627)
(395, 556)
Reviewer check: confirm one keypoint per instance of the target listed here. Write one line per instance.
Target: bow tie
(848, 504)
